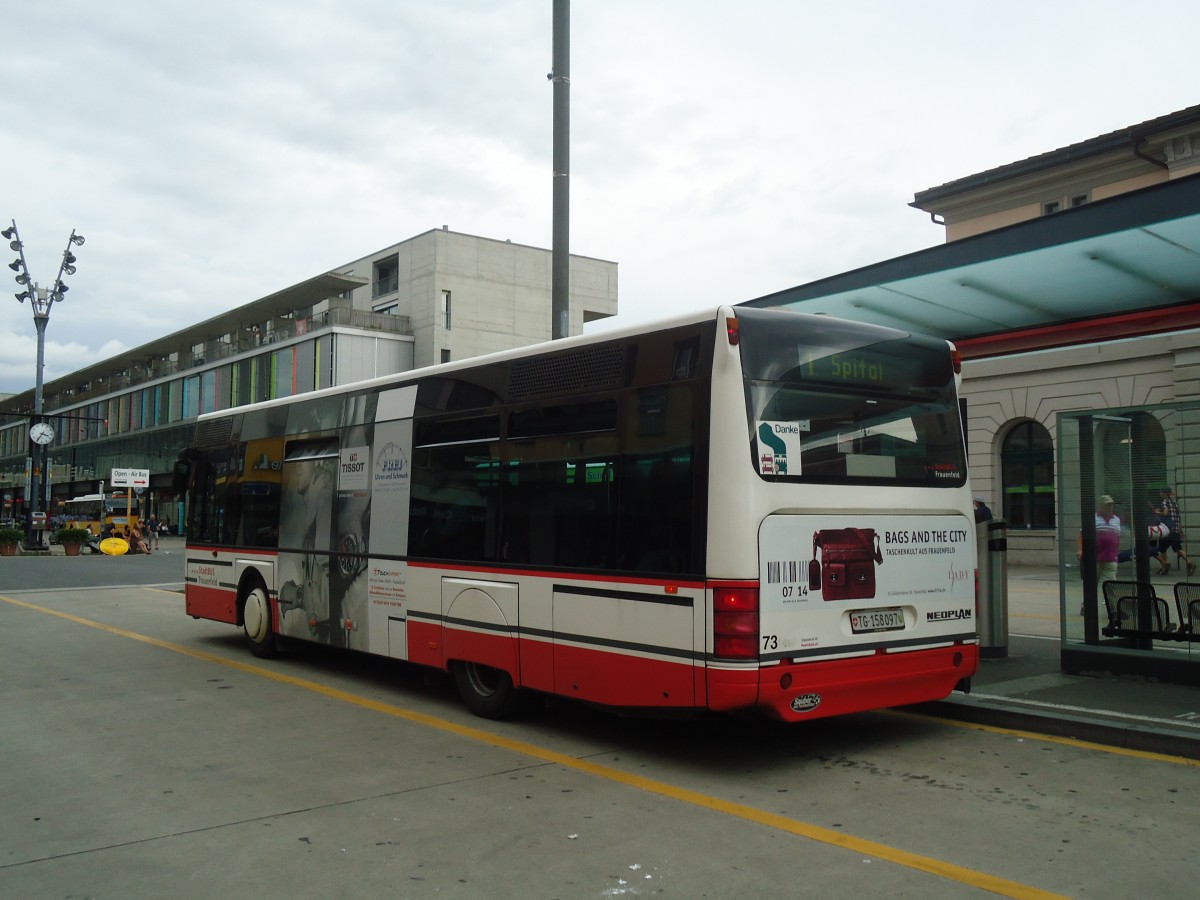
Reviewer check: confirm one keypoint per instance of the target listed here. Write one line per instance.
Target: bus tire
(256, 622)
(487, 692)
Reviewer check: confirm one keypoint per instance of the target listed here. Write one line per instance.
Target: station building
(1070, 281)
(432, 298)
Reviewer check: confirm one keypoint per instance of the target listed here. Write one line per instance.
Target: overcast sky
(215, 152)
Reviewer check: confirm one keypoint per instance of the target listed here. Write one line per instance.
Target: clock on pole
(41, 433)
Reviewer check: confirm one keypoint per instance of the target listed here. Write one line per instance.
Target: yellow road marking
(950, 871)
(1052, 739)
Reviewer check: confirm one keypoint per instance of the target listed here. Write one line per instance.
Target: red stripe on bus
(425, 643)
(211, 603)
(489, 648)
(617, 679)
(537, 664)
(194, 551)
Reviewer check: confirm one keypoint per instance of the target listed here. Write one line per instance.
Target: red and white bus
(751, 510)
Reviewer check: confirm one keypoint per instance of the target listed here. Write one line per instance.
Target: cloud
(215, 153)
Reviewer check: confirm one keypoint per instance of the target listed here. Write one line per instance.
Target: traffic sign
(130, 478)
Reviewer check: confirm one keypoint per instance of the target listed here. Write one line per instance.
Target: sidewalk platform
(1022, 685)
(1028, 691)
(167, 542)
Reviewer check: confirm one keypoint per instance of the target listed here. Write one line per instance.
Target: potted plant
(72, 539)
(10, 538)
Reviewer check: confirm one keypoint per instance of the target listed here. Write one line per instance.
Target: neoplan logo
(947, 615)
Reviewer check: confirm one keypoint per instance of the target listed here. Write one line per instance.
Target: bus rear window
(863, 404)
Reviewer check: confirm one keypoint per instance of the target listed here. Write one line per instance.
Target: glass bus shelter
(1139, 613)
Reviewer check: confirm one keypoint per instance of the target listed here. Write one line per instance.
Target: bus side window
(453, 502)
(656, 521)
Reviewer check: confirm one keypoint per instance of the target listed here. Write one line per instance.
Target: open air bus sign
(134, 478)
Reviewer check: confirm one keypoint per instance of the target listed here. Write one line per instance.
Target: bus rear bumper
(795, 692)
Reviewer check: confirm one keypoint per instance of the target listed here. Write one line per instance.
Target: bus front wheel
(487, 692)
(256, 623)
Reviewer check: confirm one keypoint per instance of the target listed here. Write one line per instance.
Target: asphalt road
(146, 754)
(163, 566)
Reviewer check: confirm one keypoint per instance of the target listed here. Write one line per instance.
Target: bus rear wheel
(487, 692)
(256, 623)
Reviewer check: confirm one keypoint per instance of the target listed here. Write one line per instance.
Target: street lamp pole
(40, 432)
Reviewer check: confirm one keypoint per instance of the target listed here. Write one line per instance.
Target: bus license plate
(865, 620)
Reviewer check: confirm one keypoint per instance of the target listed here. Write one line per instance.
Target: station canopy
(1135, 252)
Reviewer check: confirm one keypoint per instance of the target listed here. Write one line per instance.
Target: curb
(1096, 730)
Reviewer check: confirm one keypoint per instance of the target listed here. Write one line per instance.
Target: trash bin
(992, 542)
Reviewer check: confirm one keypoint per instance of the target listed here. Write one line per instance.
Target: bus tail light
(956, 359)
(735, 623)
(732, 331)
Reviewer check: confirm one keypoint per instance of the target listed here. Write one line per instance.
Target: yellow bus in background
(96, 511)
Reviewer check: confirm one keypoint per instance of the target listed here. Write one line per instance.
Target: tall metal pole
(41, 299)
(40, 454)
(40, 319)
(560, 302)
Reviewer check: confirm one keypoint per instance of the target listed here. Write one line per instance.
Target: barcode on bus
(785, 571)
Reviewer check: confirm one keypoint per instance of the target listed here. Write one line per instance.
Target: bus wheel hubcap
(256, 616)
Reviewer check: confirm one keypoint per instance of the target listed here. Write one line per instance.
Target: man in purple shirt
(1108, 541)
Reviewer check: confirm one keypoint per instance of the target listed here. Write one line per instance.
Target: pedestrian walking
(1168, 513)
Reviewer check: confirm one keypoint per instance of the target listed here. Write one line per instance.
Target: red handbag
(845, 566)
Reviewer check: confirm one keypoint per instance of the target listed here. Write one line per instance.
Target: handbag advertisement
(832, 585)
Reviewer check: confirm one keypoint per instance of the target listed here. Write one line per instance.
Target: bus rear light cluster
(735, 623)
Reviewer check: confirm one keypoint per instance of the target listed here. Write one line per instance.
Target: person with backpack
(1168, 514)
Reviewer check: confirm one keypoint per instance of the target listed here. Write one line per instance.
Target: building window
(1027, 461)
(1050, 207)
(1079, 200)
(446, 310)
(387, 277)
(208, 391)
(283, 373)
(191, 397)
(445, 356)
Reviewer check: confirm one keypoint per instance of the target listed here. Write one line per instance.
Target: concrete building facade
(438, 296)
